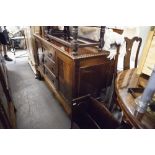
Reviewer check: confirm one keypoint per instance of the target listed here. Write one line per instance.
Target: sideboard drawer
(50, 64)
(51, 77)
(50, 54)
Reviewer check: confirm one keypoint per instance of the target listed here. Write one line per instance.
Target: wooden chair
(89, 113)
(126, 65)
(112, 98)
(129, 46)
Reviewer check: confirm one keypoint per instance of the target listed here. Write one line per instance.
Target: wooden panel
(96, 77)
(88, 113)
(94, 60)
(65, 79)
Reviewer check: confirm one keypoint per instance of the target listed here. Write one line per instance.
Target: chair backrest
(87, 112)
(102, 115)
(129, 46)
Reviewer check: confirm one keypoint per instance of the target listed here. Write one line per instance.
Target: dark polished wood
(102, 32)
(71, 76)
(129, 79)
(129, 45)
(89, 113)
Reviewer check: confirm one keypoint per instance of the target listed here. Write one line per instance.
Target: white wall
(144, 30)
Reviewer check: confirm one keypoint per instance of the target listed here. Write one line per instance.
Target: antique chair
(111, 98)
(126, 65)
(89, 113)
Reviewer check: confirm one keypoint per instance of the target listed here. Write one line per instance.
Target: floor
(36, 106)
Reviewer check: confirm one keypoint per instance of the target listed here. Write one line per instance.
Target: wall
(141, 31)
(143, 34)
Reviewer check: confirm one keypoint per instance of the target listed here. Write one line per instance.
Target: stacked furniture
(72, 66)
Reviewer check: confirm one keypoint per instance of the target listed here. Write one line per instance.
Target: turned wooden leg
(102, 32)
(75, 42)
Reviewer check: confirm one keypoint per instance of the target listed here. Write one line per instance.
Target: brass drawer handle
(52, 69)
(50, 55)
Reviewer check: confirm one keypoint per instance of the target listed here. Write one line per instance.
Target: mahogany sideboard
(71, 76)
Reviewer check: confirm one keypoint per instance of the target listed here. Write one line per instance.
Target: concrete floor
(36, 106)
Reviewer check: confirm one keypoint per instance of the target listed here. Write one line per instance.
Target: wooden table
(129, 79)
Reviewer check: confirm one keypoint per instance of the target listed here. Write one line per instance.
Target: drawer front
(51, 77)
(50, 64)
(50, 54)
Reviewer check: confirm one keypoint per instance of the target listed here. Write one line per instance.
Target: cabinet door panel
(65, 79)
(95, 78)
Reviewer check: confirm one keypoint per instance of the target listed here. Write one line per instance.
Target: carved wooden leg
(38, 76)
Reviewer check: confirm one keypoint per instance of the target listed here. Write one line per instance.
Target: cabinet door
(96, 77)
(65, 78)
